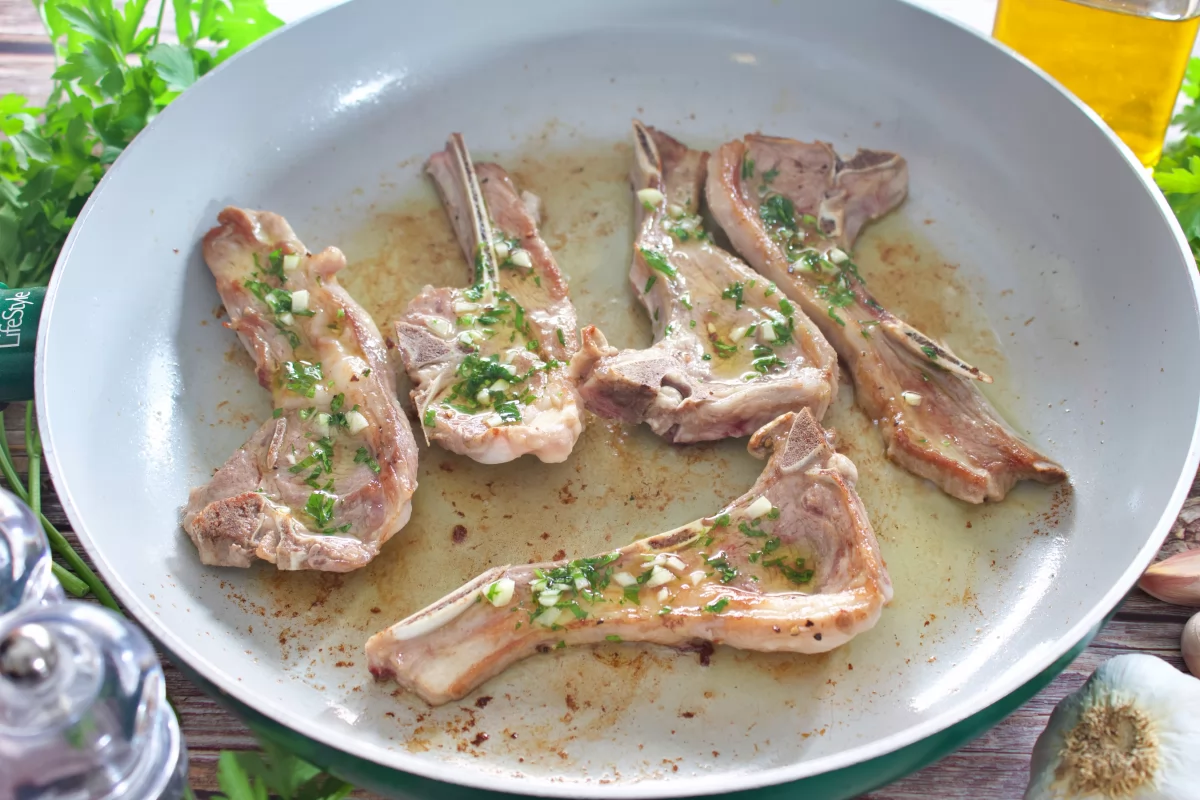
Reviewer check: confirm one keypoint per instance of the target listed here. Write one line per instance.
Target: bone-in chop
(329, 478)
(489, 362)
(793, 211)
(731, 351)
(792, 565)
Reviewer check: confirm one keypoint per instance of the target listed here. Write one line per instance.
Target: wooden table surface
(993, 767)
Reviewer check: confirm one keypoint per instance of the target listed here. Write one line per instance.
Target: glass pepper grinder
(83, 707)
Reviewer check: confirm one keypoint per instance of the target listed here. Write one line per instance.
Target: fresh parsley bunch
(116, 71)
(1178, 172)
(274, 773)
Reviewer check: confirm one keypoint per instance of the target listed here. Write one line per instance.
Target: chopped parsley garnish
(290, 335)
(478, 374)
(278, 300)
(492, 316)
(734, 292)
(723, 350)
(720, 521)
(657, 261)
(653, 279)
(778, 211)
(562, 339)
(363, 456)
(320, 456)
(765, 364)
(929, 351)
(612, 637)
(786, 306)
(302, 377)
(509, 411)
(794, 572)
(320, 507)
(706, 357)
(277, 413)
(769, 546)
(305, 413)
(275, 264)
(720, 564)
(532, 344)
(770, 290)
(584, 578)
(718, 606)
(631, 594)
(430, 418)
(685, 300)
(751, 531)
(747, 168)
(769, 176)
(338, 401)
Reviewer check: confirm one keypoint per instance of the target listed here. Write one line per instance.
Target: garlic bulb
(1130, 732)
(1175, 580)
(1190, 645)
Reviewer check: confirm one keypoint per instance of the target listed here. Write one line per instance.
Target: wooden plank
(19, 18)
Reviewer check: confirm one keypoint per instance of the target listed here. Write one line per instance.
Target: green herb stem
(70, 583)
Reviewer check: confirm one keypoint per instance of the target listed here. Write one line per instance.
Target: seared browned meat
(731, 352)
(793, 210)
(489, 362)
(329, 478)
(792, 565)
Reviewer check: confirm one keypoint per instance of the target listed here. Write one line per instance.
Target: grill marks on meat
(792, 565)
(328, 479)
(790, 208)
(731, 352)
(489, 362)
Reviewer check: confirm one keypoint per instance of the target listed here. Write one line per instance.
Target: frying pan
(1031, 241)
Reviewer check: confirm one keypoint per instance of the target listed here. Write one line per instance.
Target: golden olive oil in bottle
(1125, 59)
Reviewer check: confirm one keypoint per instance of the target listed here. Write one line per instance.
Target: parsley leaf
(657, 261)
(778, 211)
(113, 78)
(275, 773)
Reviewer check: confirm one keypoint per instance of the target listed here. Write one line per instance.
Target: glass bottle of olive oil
(1124, 58)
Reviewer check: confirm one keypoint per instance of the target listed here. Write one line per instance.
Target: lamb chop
(489, 362)
(792, 565)
(731, 352)
(793, 210)
(330, 477)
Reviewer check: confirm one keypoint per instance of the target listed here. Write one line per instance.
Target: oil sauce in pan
(576, 708)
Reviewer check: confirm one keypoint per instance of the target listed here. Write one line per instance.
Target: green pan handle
(20, 310)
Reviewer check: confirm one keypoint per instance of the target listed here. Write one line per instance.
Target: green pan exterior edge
(20, 311)
(841, 784)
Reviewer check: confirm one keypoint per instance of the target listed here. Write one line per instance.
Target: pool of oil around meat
(949, 561)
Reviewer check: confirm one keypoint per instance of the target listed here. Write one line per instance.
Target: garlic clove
(1129, 732)
(1174, 580)
(1190, 645)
